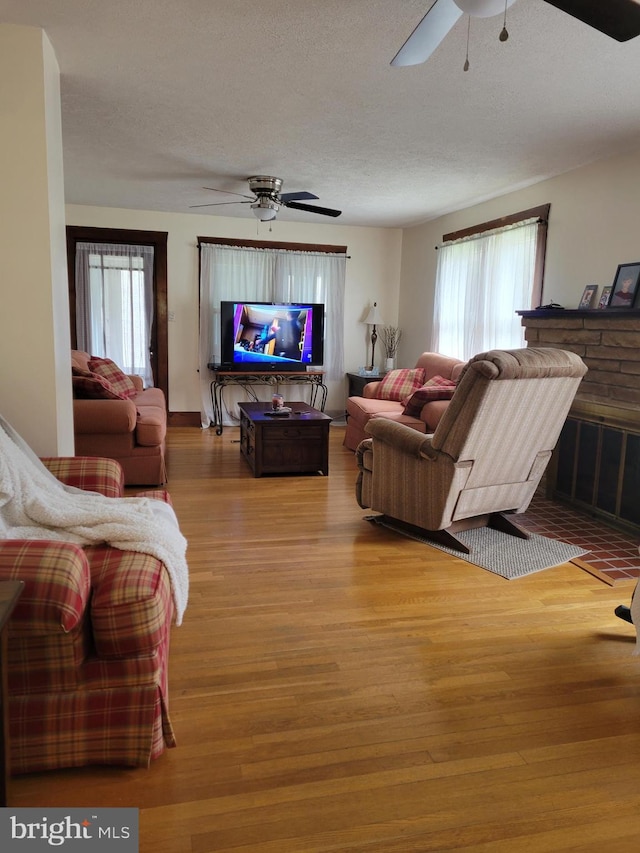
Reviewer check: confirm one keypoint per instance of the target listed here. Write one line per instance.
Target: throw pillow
(398, 384)
(437, 388)
(94, 387)
(109, 370)
(80, 359)
(80, 371)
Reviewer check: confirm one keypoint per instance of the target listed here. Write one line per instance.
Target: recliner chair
(488, 453)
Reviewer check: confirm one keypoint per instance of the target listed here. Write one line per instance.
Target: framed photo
(625, 286)
(589, 296)
(605, 296)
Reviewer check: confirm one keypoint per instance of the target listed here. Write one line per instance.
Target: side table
(10, 592)
(357, 382)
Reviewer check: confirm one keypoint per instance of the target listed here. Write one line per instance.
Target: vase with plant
(390, 339)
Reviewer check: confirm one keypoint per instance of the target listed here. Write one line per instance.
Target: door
(118, 298)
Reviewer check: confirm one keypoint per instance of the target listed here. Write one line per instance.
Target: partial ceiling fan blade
(228, 192)
(426, 37)
(311, 208)
(619, 19)
(218, 203)
(302, 196)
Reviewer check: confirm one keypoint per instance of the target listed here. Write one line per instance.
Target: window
(269, 272)
(114, 304)
(484, 276)
(109, 239)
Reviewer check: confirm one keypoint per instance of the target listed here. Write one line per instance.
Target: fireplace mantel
(609, 313)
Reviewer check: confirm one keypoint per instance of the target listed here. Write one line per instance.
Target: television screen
(271, 336)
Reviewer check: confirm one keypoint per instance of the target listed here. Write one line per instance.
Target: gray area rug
(501, 553)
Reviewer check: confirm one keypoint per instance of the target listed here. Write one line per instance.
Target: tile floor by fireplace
(613, 554)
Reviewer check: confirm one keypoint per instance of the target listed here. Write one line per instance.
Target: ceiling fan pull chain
(504, 35)
(466, 62)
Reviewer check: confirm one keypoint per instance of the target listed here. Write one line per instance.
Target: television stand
(274, 379)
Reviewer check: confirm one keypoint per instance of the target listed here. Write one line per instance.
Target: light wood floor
(335, 687)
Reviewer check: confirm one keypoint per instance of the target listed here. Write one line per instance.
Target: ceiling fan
(267, 199)
(619, 19)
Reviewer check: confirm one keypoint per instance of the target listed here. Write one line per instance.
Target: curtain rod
(538, 221)
(283, 251)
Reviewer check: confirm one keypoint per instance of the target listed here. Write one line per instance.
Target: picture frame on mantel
(625, 286)
(588, 297)
(605, 296)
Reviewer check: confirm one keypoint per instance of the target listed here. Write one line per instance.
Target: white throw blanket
(35, 505)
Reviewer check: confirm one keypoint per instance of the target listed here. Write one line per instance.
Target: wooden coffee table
(297, 443)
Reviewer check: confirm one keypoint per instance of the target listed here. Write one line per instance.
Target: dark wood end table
(357, 382)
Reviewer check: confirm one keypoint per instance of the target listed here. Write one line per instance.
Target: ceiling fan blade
(302, 196)
(228, 192)
(312, 208)
(619, 19)
(218, 203)
(428, 34)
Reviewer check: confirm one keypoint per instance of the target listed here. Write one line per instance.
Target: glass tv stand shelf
(274, 379)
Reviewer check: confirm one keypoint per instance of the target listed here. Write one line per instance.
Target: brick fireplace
(597, 462)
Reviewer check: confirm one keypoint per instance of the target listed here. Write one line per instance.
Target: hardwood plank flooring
(336, 687)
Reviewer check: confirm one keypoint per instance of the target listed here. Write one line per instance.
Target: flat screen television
(268, 336)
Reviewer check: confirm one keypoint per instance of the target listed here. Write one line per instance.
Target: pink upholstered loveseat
(132, 431)
(88, 644)
(361, 409)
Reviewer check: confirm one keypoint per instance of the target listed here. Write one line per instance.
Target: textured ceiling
(163, 97)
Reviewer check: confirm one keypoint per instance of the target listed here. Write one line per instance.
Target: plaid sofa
(88, 644)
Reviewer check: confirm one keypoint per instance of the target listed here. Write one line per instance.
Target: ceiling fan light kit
(482, 8)
(265, 209)
(618, 19)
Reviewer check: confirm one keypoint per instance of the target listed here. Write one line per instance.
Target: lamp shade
(264, 209)
(373, 318)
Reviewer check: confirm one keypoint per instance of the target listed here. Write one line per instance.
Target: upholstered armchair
(487, 454)
(88, 644)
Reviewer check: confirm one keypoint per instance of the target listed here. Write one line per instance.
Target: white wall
(35, 383)
(373, 274)
(593, 227)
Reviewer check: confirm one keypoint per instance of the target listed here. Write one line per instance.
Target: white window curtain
(481, 282)
(114, 304)
(268, 275)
